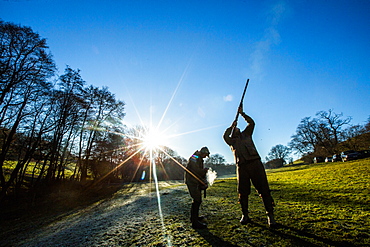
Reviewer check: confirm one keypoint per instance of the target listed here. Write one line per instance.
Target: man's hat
(205, 150)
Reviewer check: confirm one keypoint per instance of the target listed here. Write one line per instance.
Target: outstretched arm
(249, 120)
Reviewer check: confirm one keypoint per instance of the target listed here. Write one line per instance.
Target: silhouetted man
(249, 168)
(195, 178)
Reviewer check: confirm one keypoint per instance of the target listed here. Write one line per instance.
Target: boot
(200, 218)
(245, 217)
(269, 206)
(194, 217)
(271, 220)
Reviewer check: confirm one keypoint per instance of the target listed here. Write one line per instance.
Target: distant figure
(195, 179)
(249, 168)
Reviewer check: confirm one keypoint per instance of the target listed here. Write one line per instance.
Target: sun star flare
(153, 139)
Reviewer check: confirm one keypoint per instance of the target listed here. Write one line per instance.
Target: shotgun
(241, 101)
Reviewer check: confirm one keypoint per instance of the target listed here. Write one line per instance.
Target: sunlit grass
(326, 199)
(34, 169)
(323, 204)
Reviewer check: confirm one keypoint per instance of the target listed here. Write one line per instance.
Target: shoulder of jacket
(194, 158)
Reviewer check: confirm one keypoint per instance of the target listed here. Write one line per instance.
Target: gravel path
(130, 218)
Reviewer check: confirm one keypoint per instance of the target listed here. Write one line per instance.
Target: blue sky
(184, 64)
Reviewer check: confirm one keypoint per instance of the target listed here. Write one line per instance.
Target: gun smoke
(211, 176)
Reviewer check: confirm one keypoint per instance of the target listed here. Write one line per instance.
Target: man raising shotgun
(249, 167)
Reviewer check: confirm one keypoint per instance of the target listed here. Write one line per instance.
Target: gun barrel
(241, 101)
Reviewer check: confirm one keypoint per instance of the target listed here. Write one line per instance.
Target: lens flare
(154, 167)
(153, 139)
(148, 142)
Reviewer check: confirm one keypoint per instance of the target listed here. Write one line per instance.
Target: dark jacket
(195, 165)
(242, 146)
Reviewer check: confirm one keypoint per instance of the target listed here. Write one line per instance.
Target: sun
(153, 139)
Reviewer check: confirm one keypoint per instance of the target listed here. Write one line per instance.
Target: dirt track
(130, 218)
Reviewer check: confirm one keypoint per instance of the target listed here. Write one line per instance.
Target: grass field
(325, 204)
(33, 169)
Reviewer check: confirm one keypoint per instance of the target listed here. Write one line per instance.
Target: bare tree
(25, 67)
(330, 129)
(24, 59)
(304, 140)
(278, 152)
(356, 138)
(67, 101)
(215, 160)
(136, 160)
(319, 135)
(103, 109)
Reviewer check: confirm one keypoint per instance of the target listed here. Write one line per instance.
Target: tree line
(56, 128)
(48, 119)
(324, 135)
(57, 123)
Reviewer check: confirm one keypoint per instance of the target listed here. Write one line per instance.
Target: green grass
(30, 169)
(325, 204)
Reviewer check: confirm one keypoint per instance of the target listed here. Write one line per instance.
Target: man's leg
(259, 180)
(244, 189)
(196, 194)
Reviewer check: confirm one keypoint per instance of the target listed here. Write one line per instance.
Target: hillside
(325, 204)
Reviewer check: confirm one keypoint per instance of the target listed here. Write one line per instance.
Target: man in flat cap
(195, 179)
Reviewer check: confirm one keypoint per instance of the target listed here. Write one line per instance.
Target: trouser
(195, 192)
(253, 171)
(194, 212)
